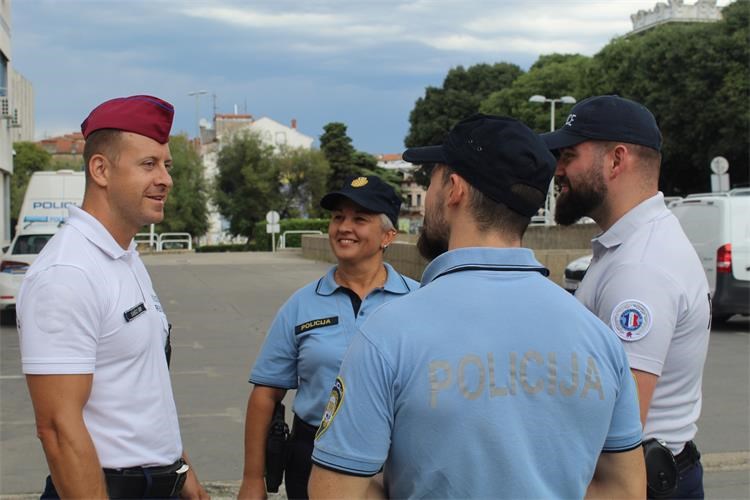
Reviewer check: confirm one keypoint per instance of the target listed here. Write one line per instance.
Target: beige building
(23, 107)
(412, 210)
(676, 11)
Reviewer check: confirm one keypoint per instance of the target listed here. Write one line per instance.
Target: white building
(214, 136)
(6, 122)
(702, 11)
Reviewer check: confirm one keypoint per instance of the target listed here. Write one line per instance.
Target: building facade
(23, 107)
(675, 11)
(6, 122)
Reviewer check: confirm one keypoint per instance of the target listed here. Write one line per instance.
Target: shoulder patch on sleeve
(631, 320)
(332, 407)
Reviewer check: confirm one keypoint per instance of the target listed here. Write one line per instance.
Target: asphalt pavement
(220, 306)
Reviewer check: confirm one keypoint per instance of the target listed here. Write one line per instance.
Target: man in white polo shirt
(94, 337)
(645, 279)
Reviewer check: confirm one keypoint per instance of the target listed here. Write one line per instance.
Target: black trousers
(299, 459)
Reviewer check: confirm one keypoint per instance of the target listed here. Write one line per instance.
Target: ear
(99, 170)
(617, 161)
(457, 190)
(388, 238)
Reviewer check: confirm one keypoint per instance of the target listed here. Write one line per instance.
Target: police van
(718, 226)
(43, 211)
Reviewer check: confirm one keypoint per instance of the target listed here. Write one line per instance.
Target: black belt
(146, 482)
(302, 431)
(688, 457)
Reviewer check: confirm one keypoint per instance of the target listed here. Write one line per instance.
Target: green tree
(247, 183)
(337, 147)
(460, 96)
(553, 76)
(28, 158)
(303, 174)
(695, 78)
(186, 209)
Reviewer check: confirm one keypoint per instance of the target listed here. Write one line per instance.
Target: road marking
(725, 462)
(11, 377)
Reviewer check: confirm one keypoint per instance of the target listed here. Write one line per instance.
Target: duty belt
(688, 457)
(147, 482)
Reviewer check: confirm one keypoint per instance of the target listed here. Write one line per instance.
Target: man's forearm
(73, 462)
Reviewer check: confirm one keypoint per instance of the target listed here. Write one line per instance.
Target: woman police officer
(312, 330)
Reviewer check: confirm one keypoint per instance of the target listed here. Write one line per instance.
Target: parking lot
(220, 306)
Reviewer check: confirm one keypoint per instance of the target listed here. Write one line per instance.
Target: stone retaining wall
(405, 258)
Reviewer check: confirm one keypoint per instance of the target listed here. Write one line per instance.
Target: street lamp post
(549, 204)
(197, 94)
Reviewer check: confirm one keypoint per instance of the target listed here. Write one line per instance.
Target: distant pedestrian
(308, 337)
(645, 278)
(489, 381)
(94, 337)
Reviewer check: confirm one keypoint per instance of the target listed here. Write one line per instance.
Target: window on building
(280, 137)
(3, 75)
(419, 200)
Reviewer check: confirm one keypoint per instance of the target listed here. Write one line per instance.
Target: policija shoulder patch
(316, 323)
(332, 407)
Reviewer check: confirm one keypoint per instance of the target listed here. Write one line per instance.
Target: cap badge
(569, 120)
(359, 182)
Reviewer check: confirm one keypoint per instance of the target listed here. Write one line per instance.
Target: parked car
(22, 251)
(718, 226)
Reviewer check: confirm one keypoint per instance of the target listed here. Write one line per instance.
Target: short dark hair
(493, 216)
(104, 141)
(649, 158)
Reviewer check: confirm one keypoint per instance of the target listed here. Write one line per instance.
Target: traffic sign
(719, 165)
(272, 217)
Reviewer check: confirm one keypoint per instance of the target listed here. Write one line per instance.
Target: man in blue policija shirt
(490, 380)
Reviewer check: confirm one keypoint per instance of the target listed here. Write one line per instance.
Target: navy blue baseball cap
(369, 192)
(493, 154)
(606, 118)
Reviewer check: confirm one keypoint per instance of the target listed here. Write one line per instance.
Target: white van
(44, 209)
(718, 226)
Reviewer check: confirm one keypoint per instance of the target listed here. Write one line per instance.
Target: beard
(434, 236)
(581, 200)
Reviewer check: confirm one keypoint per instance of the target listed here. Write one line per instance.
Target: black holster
(276, 449)
(662, 474)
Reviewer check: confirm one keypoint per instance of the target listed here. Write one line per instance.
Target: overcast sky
(360, 62)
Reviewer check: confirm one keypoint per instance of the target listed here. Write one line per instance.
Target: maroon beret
(140, 114)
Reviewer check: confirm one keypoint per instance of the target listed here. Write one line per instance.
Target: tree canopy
(694, 77)
(462, 92)
(247, 184)
(186, 209)
(29, 158)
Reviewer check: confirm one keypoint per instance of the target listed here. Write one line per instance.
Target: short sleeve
(625, 430)
(355, 431)
(58, 322)
(276, 364)
(641, 305)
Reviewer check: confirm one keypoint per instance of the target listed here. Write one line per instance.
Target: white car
(574, 273)
(22, 251)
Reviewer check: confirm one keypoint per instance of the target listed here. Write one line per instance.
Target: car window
(30, 243)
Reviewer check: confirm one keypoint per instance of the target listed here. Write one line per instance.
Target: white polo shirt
(88, 306)
(647, 283)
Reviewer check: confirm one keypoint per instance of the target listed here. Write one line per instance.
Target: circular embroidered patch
(631, 320)
(359, 182)
(332, 407)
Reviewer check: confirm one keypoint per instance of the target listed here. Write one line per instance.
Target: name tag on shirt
(133, 313)
(316, 323)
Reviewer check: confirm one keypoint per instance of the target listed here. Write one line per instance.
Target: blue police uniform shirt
(309, 336)
(488, 381)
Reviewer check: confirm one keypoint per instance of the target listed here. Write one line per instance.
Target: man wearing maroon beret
(94, 337)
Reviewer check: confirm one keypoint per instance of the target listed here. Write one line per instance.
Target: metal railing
(282, 238)
(165, 241)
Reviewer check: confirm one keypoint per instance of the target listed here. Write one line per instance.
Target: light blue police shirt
(309, 336)
(488, 381)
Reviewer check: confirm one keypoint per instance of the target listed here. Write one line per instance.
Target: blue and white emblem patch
(631, 320)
